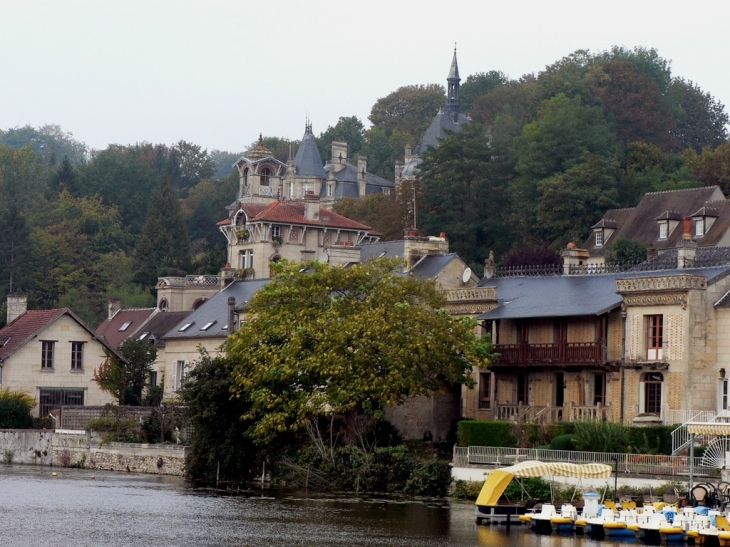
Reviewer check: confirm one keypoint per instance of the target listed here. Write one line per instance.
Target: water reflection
(84, 508)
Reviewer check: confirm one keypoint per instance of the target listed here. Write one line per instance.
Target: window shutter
(174, 376)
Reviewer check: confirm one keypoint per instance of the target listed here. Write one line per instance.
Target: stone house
(264, 179)
(51, 355)
(657, 222)
(640, 346)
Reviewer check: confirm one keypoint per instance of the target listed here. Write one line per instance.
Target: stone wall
(29, 446)
(73, 448)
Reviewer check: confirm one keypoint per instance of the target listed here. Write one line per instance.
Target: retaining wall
(79, 449)
(31, 446)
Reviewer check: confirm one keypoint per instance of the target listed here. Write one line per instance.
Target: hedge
(478, 433)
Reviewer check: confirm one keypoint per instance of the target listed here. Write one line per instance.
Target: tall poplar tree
(164, 242)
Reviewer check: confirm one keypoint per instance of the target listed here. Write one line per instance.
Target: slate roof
(160, 324)
(390, 249)
(347, 186)
(432, 265)
(109, 328)
(31, 323)
(307, 161)
(571, 295)
(444, 121)
(215, 311)
(640, 222)
(292, 212)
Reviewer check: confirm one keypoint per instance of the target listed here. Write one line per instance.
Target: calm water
(85, 508)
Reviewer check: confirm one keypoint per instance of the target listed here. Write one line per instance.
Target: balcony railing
(565, 353)
(551, 414)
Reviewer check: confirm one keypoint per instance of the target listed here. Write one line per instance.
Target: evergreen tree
(164, 242)
(15, 248)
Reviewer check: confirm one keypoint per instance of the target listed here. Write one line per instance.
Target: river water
(78, 508)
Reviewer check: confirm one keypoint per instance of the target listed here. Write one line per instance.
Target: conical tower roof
(307, 161)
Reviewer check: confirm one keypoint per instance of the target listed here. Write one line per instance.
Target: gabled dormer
(603, 231)
(667, 222)
(703, 220)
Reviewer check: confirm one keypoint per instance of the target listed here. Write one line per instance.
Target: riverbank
(84, 449)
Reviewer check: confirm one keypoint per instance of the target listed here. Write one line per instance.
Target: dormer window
(599, 238)
(699, 227)
(663, 229)
(265, 176)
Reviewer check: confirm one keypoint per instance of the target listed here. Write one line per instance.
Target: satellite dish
(466, 276)
(324, 258)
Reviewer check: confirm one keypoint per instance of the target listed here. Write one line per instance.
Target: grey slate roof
(307, 161)
(346, 185)
(430, 266)
(215, 310)
(570, 295)
(390, 249)
(160, 324)
(444, 121)
(705, 257)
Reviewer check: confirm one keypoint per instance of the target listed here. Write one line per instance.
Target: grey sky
(218, 73)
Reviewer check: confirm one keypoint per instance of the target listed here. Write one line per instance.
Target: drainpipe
(231, 315)
(623, 363)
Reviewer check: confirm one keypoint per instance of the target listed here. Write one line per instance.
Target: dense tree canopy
(126, 377)
(345, 340)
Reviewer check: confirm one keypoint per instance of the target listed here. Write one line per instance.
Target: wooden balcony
(575, 353)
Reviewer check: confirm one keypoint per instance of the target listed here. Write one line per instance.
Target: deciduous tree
(329, 340)
(126, 377)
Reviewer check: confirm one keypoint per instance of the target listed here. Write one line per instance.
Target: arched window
(163, 304)
(265, 176)
(653, 392)
(198, 303)
(245, 176)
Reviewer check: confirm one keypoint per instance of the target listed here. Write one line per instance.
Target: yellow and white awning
(709, 428)
(498, 479)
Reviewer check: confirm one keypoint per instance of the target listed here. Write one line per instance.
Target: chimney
(339, 156)
(398, 170)
(231, 315)
(17, 306)
(651, 252)
(407, 153)
(490, 266)
(113, 306)
(311, 206)
(686, 248)
(362, 168)
(573, 257)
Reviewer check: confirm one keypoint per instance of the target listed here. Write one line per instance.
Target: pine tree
(164, 243)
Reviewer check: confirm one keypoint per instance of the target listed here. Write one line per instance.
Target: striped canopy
(708, 428)
(560, 469)
(498, 479)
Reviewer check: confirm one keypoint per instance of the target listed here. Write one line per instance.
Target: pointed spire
(452, 101)
(454, 72)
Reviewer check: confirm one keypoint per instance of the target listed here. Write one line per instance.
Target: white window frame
(700, 227)
(723, 394)
(306, 187)
(276, 231)
(179, 369)
(599, 238)
(77, 355)
(663, 229)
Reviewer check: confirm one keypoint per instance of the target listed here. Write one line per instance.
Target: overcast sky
(219, 72)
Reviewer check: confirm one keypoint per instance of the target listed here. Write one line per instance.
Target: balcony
(567, 353)
(551, 414)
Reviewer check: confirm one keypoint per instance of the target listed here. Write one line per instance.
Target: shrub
(600, 436)
(563, 442)
(478, 433)
(467, 490)
(15, 407)
(651, 440)
(118, 430)
(530, 487)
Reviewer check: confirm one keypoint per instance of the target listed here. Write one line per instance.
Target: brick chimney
(17, 306)
(686, 248)
(113, 306)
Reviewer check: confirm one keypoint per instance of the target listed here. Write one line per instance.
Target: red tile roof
(292, 212)
(109, 329)
(18, 331)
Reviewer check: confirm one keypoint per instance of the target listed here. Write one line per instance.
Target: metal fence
(632, 464)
